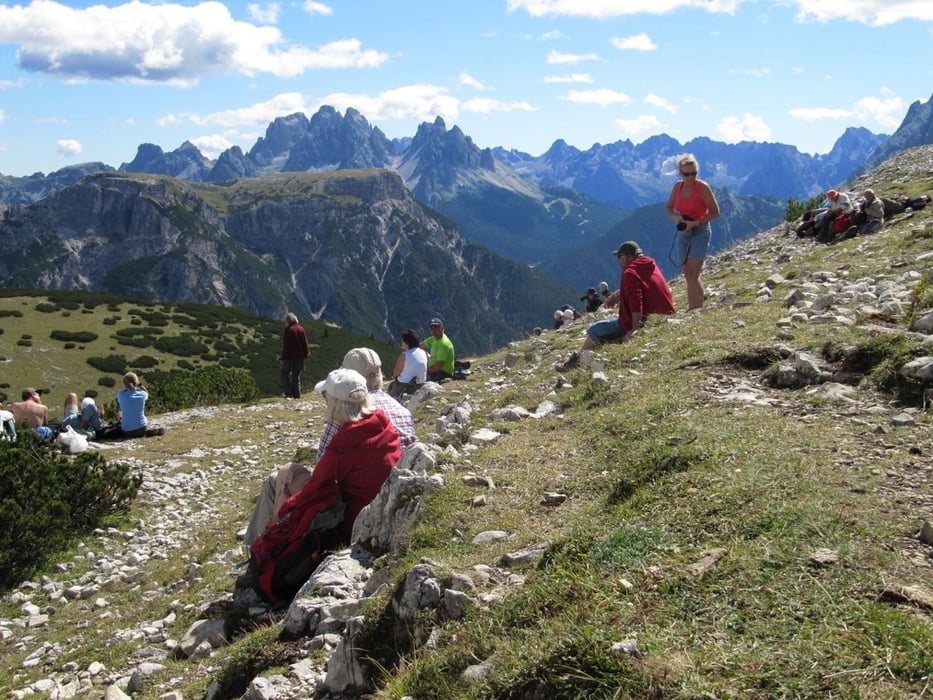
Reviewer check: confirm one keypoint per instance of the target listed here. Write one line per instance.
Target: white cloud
(317, 8)
(572, 78)
(751, 72)
(636, 42)
(68, 147)
(264, 14)
(485, 105)
(260, 113)
(616, 8)
(167, 43)
(602, 97)
(212, 145)
(875, 12)
(748, 127)
(815, 114)
(2, 116)
(638, 126)
(558, 57)
(657, 101)
(888, 113)
(7, 84)
(467, 79)
(422, 102)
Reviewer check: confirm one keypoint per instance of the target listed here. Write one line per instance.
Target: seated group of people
(842, 218)
(84, 416)
(366, 430)
(432, 360)
(592, 301)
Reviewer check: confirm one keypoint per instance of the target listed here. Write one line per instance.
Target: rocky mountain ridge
(348, 245)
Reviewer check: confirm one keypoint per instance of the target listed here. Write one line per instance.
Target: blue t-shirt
(132, 407)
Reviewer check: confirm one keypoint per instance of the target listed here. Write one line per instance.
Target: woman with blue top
(132, 400)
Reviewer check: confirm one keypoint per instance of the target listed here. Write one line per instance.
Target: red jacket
(644, 291)
(358, 460)
(294, 343)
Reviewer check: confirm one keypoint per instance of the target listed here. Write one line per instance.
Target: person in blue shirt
(132, 400)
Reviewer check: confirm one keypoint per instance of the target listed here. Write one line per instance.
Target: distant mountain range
(561, 212)
(351, 246)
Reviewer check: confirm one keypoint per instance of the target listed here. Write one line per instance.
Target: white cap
(87, 401)
(344, 384)
(363, 360)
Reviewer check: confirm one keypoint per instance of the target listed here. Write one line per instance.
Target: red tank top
(694, 206)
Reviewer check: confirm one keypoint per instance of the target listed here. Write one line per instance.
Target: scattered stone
(926, 533)
(708, 559)
(824, 557)
(489, 536)
(553, 499)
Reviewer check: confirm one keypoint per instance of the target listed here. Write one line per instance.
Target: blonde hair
(291, 319)
(688, 159)
(347, 410)
(130, 379)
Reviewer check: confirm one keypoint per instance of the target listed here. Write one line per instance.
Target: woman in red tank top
(692, 205)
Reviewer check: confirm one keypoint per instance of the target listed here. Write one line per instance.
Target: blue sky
(86, 82)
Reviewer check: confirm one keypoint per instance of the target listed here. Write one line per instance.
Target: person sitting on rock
(839, 203)
(873, 209)
(642, 291)
(289, 479)
(441, 349)
(411, 367)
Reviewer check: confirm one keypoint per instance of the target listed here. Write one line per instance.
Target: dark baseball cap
(628, 248)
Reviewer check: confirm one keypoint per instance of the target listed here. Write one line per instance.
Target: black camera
(682, 226)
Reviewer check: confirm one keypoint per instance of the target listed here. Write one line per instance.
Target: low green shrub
(115, 364)
(181, 345)
(48, 498)
(73, 336)
(174, 390)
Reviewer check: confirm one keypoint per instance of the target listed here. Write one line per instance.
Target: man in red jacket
(292, 357)
(642, 291)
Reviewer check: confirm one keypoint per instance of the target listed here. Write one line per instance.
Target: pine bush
(48, 498)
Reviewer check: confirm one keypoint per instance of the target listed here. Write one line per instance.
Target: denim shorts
(694, 244)
(606, 330)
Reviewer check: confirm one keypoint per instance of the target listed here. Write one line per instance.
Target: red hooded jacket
(358, 460)
(644, 291)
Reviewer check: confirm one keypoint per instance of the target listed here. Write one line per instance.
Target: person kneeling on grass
(642, 291)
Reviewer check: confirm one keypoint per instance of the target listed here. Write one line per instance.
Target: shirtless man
(33, 412)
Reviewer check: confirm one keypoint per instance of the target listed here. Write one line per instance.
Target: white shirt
(416, 366)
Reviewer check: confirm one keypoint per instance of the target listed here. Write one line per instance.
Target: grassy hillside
(83, 342)
(721, 537)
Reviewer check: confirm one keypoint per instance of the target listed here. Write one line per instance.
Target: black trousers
(291, 378)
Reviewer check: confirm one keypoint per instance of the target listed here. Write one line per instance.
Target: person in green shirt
(441, 358)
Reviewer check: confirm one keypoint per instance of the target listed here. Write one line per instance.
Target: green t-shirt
(442, 350)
